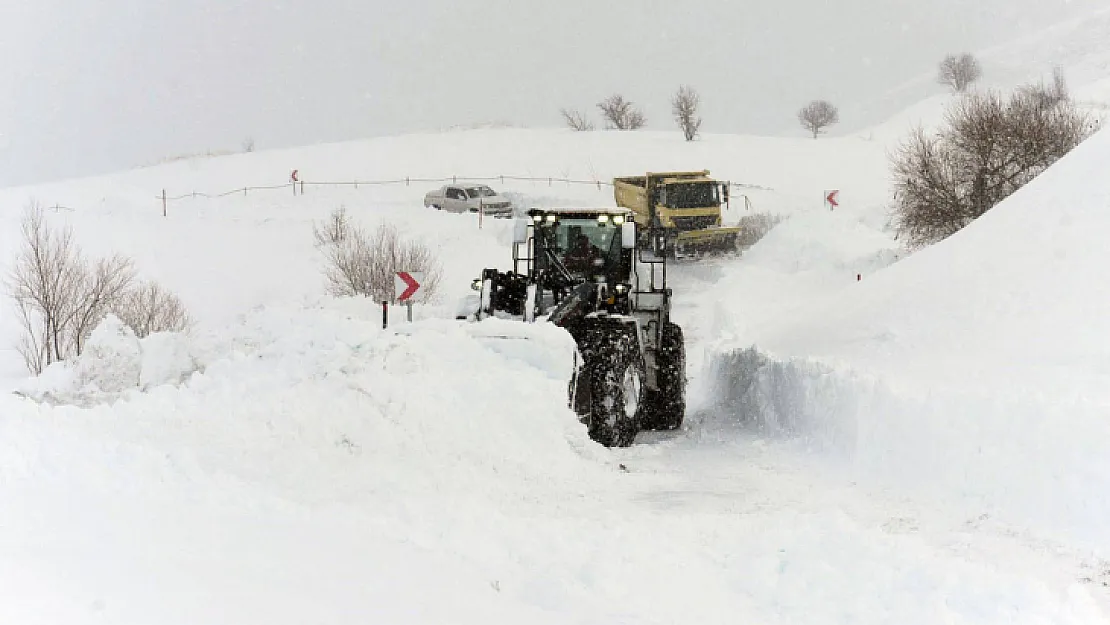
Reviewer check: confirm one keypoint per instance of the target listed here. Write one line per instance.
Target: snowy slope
(256, 248)
(976, 366)
(1077, 45)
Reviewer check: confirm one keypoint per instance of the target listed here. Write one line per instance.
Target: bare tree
(42, 283)
(684, 106)
(620, 114)
(59, 297)
(576, 120)
(989, 148)
(248, 144)
(365, 264)
(818, 115)
(150, 308)
(958, 72)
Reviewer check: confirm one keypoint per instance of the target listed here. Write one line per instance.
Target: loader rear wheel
(666, 407)
(617, 392)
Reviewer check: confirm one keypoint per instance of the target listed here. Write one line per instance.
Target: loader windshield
(691, 195)
(586, 247)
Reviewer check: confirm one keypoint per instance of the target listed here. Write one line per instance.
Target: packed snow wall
(1023, 455)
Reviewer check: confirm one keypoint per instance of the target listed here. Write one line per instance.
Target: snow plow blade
(713, 240)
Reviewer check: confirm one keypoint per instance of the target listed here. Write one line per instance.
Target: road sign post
(407, 284)
(832, 199)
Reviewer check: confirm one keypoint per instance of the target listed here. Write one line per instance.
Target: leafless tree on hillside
(958, 72)
(818, 115)
(620, 114)
(684, 106)
(358, 263)
(248, 144)
(576, 120)
(989, 148)
(59, 298)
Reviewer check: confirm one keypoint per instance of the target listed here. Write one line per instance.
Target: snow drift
(976, 367)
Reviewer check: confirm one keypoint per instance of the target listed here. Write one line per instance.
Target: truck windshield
(480, 192)
(692, 195)
(586, 247)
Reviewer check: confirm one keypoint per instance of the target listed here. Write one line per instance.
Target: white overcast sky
(92, 86)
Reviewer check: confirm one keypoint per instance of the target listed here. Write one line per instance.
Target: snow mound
(323, 397)
(823, 241)
(113, 363)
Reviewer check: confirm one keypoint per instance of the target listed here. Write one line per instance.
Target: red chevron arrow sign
(406, 284)
(832, 199)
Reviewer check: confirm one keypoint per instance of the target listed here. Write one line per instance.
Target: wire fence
(298, 186)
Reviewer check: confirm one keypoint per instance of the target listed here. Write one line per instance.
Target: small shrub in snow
(576, 120)
(149, 308)
(333, 230)
(361, 263)
(989, 148)
(620, 113)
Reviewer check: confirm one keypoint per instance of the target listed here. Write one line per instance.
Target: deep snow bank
(1027, 455)
(977, 367)
(320, 399)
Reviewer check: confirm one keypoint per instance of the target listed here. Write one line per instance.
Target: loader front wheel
(617, 394)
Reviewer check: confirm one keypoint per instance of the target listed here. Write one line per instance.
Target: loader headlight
(551, 219)
(602, 219)
(618, 219)
(476, 284)
(621, 288)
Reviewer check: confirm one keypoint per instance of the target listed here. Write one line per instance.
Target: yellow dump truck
(684, 205)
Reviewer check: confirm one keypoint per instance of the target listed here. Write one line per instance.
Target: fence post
(385, 314)
(302, 187)
(244, 191)
(163, 202)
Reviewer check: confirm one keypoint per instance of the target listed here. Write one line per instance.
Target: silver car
(462, 198)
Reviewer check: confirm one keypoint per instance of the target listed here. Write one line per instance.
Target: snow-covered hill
(256, 248)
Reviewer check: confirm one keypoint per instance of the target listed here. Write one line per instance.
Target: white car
(462, 198)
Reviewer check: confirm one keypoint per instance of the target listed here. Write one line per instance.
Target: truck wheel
(666, 407)
(617, 393)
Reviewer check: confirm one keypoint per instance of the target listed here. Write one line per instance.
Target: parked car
(462, 198)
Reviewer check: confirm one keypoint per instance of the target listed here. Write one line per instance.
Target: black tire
(666, 407)
(615, 377)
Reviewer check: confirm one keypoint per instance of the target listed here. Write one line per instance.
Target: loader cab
(588, 244)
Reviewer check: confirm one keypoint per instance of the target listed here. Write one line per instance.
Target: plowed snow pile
(978, 367)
